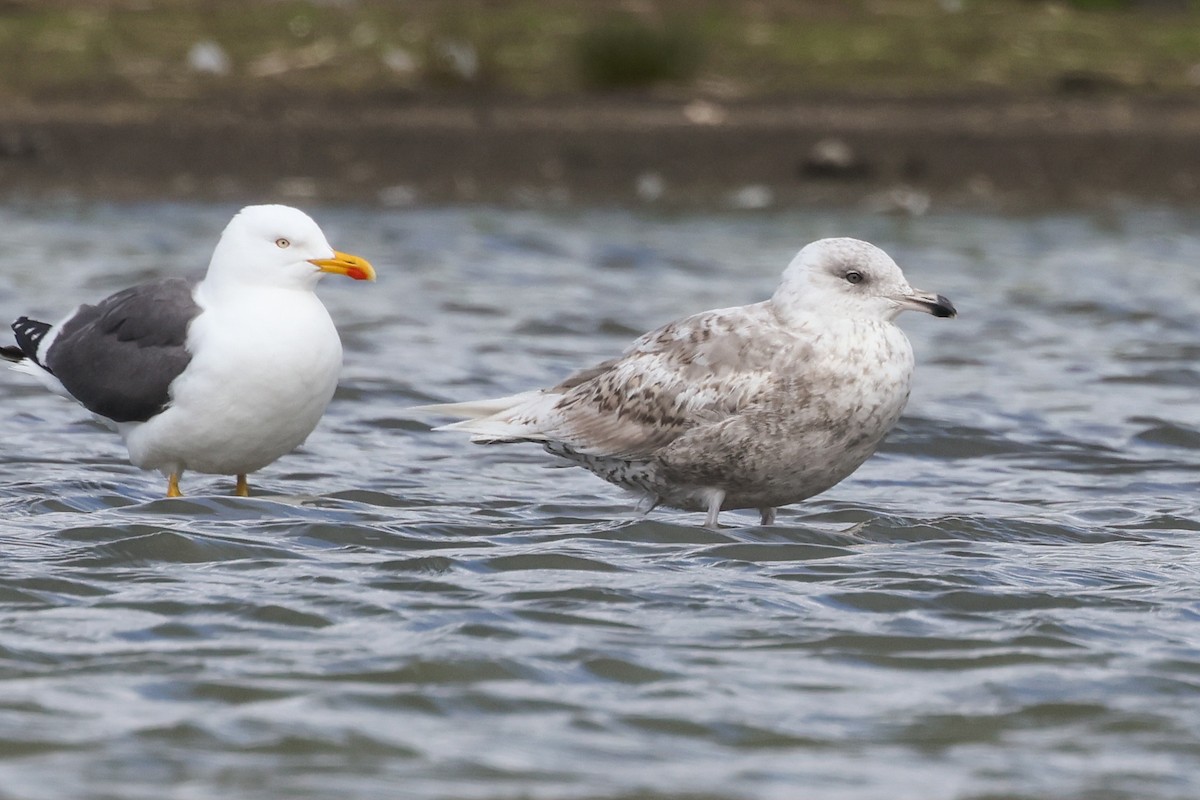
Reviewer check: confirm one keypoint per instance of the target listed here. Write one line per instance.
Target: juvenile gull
(223, 376)
(755, 406)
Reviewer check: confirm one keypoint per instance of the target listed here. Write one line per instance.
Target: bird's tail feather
(489, 421)
(43, 376)
(476, 409)
(493, 430)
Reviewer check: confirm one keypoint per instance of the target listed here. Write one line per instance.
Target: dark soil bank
(973, 152)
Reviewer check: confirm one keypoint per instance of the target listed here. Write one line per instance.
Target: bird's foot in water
(647, 504)
(715, 498)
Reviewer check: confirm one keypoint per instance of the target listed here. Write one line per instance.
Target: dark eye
(854, 277)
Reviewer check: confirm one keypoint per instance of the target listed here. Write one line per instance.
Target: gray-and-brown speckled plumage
(749, 407)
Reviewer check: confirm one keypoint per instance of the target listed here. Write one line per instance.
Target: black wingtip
(29, 334)
(10, 353)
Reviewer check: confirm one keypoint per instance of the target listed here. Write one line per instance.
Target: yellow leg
(173, 485)
(243, 488)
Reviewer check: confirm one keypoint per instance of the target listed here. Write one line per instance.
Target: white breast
(264, 367)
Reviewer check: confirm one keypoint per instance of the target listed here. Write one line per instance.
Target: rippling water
(1003, 603)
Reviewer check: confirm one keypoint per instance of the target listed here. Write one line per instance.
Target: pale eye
(282, 243)
(854, 277)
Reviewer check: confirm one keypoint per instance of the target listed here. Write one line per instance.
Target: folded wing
(119, 357)
(695, 371)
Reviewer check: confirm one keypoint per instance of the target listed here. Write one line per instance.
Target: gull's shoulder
(722, 340)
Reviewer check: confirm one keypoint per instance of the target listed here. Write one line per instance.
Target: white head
(279, 246)
(851, 278)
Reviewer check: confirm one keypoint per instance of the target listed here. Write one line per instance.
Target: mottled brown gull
(222, 376)
(755, 406)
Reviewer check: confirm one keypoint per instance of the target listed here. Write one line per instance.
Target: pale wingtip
(454, 426)
(487, 421)
(492, 431)
(475, 409)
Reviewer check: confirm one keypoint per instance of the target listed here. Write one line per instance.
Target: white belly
(263, 371)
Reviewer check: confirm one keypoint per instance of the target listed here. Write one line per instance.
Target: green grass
(625, 52)
(125, 49)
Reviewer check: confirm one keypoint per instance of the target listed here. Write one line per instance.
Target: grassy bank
(193, 49)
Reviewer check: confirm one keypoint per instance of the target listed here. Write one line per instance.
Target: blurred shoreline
(979, 152)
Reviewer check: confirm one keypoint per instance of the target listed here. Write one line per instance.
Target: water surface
(1001, 604)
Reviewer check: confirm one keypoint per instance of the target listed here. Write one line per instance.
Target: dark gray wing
(118, 357)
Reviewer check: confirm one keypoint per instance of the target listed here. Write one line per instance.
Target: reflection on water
(999, 604)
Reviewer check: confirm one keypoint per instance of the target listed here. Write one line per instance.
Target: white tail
(476, 409)
(491, 420)
(43, 375)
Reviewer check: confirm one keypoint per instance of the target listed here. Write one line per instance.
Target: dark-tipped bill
(930, 303)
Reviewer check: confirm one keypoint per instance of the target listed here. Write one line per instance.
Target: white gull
(756, 406)
(223, 376)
